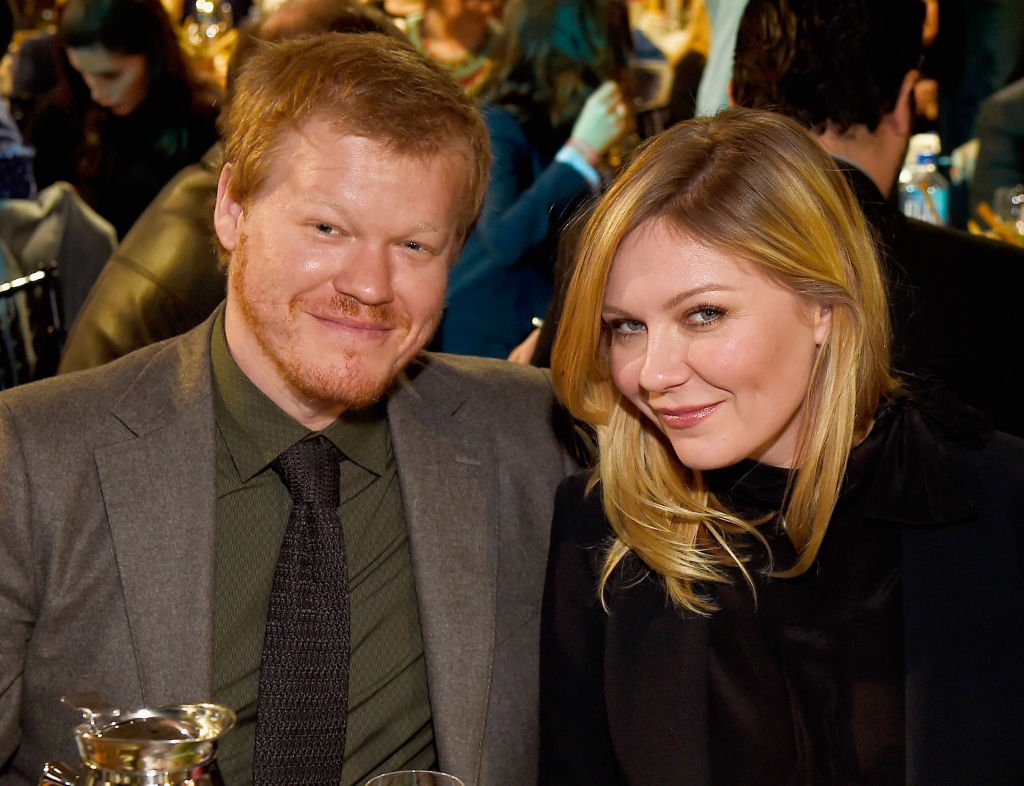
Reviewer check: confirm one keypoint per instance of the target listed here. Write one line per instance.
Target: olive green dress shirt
(389, 722)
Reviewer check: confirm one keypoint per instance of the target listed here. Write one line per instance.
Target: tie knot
(310, 471)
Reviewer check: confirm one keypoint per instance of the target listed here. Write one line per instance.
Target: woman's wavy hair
(756, 186)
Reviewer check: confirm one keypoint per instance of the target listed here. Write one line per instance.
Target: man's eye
(325, 229)
(413, 245)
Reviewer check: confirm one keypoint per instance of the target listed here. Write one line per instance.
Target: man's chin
(352, 386)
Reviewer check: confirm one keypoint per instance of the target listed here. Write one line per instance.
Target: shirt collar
(256, 431)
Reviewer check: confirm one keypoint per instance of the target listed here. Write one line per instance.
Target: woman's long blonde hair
(756, 186)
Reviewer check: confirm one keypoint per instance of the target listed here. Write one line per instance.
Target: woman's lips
(685, 417)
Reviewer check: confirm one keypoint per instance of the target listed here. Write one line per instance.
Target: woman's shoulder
(932, 460)
(579, 510)
(999, 470)
(933, 416)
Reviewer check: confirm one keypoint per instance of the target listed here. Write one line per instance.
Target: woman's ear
(227, 211)
(822, 323)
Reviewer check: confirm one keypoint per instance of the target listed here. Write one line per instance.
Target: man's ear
(901, 119)
(227, 211)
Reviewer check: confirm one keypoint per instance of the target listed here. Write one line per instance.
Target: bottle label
(931, 205)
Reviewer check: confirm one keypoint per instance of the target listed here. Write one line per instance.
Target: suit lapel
(449, 492)
(160, 497)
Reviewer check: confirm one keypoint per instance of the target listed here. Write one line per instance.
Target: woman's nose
(665, 363)
(97, 90)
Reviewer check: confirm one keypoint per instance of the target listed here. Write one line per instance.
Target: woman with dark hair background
(554, 107)
(127, 114)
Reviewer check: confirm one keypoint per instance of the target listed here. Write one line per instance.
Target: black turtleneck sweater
(894, 659)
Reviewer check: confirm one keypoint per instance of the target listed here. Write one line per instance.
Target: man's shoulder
(928, 241)
(488, 376)
(1007, 101)
(70, 399)
(482, 396)
(912, 241)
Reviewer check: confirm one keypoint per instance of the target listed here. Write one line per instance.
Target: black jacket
(163, 279)
(955, 304)
(625, 694)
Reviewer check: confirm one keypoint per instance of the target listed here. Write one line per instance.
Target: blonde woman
(786, 568)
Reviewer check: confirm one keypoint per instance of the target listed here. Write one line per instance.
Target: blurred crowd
(119, 99)
(757, 517)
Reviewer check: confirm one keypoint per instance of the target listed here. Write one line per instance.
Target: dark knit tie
(303, 695)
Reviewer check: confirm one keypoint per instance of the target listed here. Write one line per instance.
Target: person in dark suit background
(141, 512)
(846, 71)
(1000, 143)
(788, 566)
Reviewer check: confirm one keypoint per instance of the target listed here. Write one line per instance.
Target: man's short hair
(366, 85)
(828, 64)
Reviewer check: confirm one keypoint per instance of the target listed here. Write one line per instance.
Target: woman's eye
(325, 229)
(704, 315)
(625, 328)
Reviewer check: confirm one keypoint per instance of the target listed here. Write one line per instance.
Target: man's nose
(367, 275)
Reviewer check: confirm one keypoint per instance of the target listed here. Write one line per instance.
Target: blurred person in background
(128, 112)
(165, 278)
(686, 76)
(461, 35)
(713, 92)
(846, 71)
(688, 70)
(555, 106)
(979, 49)
(1000, 161)
(16, 177)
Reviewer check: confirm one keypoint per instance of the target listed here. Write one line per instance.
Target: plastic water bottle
(924, 192)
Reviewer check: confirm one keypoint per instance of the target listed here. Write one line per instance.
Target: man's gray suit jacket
(107, 511)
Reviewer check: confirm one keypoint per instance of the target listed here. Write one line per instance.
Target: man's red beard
(341, 382)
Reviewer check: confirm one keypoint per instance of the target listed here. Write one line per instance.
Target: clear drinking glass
(414, 778)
